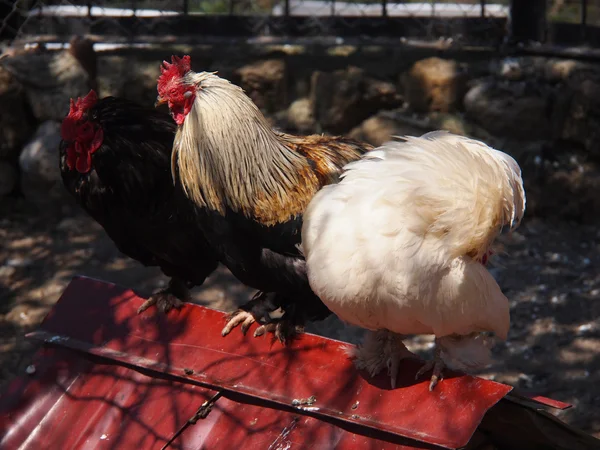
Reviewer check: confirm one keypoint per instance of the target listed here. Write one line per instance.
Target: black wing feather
(130, 192)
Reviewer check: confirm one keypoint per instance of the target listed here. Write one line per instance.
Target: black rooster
(115, 159)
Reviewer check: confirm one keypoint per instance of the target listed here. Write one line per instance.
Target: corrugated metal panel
(74, 403)
(141, 378)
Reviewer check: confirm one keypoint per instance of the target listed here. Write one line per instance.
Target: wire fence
(486, 22)
(573, 22)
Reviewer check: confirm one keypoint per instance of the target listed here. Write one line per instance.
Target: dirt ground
(549, 271)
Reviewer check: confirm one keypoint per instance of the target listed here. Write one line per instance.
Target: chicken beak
(159, 101)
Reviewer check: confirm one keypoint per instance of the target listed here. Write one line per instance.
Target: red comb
(177, 68)
(76, 111)
(82, 105)
(88, 101)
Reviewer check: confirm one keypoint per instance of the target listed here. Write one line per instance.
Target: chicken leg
(262, 309)
(380, 349)
(437, 364)
(173, 296)
(458, 352)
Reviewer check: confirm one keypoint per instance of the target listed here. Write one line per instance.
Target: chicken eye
(86, 131)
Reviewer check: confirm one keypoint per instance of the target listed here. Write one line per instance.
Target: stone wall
(545, 112)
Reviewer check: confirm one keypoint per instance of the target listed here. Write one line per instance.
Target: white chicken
(399, 247)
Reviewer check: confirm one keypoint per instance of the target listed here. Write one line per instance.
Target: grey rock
(41, 182)
(300, 116)
(435, 84)
(510, 109)
(265, 82)
(344, 98)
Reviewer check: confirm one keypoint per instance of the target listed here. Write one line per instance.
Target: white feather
(396, 244)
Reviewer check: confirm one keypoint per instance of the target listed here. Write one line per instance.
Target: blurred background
(522, 75)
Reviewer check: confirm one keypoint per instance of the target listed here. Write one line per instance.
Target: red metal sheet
(307, 395)
(105, 324)
(75, 403)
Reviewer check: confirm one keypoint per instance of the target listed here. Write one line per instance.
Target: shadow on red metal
(109, 378)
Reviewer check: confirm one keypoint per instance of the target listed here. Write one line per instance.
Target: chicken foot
(173, 296)
(437, 364)
(263, 310)
(381, 349)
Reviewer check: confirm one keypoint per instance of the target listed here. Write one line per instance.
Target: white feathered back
(476, 193)
(395, 245)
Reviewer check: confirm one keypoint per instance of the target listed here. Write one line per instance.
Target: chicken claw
(381, 349)
(168, 298)
(164, 301)
(282, 330)
(437, 364)
(264, 310)
(239, 317)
